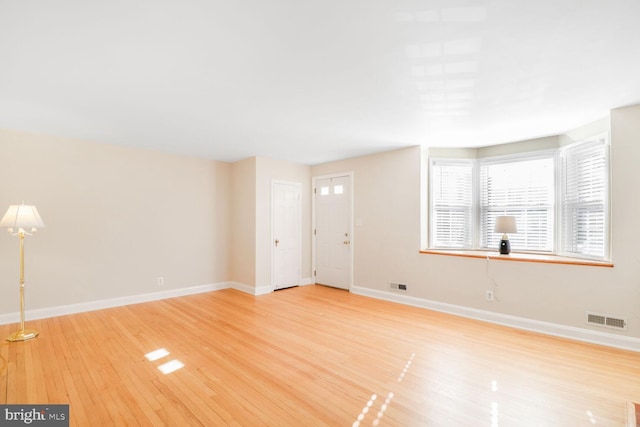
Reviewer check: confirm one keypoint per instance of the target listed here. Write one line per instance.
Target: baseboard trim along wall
(45, 313)
(585, 335)
(579, 334)
(121, 301)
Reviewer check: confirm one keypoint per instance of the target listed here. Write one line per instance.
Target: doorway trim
(314, 180)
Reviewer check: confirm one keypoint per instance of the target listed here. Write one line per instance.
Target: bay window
(559, 198)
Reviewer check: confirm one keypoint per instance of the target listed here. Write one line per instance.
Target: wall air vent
(606, 321)
(398, 286)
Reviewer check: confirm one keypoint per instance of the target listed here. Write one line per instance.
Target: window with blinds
(524, 188)
(560, 199)
(451, 204)
(584, 210)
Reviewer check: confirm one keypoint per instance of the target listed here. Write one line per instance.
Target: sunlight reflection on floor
(165, 368)
(387, 401)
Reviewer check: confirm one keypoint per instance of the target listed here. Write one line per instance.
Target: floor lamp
(18, 219)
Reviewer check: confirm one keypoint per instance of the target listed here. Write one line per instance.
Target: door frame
(298, 185)
(314, 179)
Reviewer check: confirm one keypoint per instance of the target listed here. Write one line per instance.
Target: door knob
(276, 242)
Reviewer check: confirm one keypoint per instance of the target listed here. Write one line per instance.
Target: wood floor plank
(312, 356)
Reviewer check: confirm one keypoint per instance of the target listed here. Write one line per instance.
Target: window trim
(519, 257)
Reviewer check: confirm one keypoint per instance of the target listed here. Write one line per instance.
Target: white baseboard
(242, 287)
(263, 290)
(253, 290)
(579, 334)
(586, 335)
(44, 313)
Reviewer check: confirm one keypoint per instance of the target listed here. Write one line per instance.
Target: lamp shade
(505, 224)
(22, 216)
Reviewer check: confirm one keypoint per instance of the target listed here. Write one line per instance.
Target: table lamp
(505, 224)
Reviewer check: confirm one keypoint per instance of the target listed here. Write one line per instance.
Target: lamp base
(22, 335)
(505, 247)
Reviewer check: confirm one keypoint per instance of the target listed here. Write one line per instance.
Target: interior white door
(333, 231)
(286, 231)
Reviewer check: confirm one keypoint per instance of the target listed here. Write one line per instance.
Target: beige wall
(117, 218)
(622, 291)
(387, 196)
(243, 222)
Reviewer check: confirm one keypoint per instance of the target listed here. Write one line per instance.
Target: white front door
(332, 201)
(286, 231)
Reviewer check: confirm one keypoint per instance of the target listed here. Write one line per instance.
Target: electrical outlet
(160, 281)
(489, 295)
(402, 287)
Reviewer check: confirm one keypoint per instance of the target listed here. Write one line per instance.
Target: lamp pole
(21, 237)
(22, 334)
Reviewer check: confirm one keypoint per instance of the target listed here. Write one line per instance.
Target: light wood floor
(311, 356)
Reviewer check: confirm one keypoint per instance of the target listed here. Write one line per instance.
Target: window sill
(518, 256)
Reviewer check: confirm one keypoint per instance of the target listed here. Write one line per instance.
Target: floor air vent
(606, 321)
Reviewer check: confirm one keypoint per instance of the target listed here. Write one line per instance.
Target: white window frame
(601, 139)
(432, 207)
(515, 158)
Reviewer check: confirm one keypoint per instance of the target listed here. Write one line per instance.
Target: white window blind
(451, 204)
(584, 211)
(523, 188)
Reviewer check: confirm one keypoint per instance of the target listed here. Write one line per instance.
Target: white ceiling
(312, 81)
